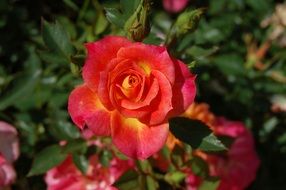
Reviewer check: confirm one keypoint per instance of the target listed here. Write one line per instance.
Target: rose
(66, 176)
(7, 172)
(175, 6)
(9, 152)
(130, 91)
(236, 168)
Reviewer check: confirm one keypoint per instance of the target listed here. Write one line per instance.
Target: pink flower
(175, 6)
(192, 181)
(130, 91)
(67, 177)
(9, 152)
(237, 169)
(7, 173)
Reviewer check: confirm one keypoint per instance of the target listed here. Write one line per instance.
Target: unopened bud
(188, 21)
(137, 26)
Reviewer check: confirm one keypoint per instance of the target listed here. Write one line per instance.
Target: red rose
(130, 91)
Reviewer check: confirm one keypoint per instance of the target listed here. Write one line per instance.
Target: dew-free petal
(9, 143)
(100, 53)
(86, 109)
(184, 89)
(136, 139)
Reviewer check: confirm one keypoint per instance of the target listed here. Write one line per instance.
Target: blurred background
(238, 53)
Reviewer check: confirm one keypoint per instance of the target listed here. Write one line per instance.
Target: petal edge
(85, 108)
(136, 139)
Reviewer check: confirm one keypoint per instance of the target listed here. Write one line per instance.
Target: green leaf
(199, 167)
(189, 131)
(200, 53)
(209, 184)
(75, 146)
(137, 25)
(152, 184)
(71, 4)
(53, 58)
(217, 6)
(132, 17)
(175, 177)
(198, 135)
(230, 64)
(63, 130)
(119, 17)
(57, 40)
(128, 181)
(258, 6)
(213, 143)
(46, 159)
(144, 166)
(101, 24)
(115, 17)
(81, 162)
(22, 87)
(153, 39)
(128, 7)
(19, 93)
(105, 158)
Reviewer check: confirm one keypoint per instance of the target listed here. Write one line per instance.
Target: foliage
(42, 53)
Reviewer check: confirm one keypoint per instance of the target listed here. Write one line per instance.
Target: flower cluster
(233, 168)
(67, 176)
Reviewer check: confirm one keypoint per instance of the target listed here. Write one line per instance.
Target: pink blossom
(7, 172)
(192, 181)
(66, 176)
(237, 169)
(175, 6)
(9, 152)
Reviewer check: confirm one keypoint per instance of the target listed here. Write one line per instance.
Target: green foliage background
(37, 74)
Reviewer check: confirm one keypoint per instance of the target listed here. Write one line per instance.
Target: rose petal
(85, 108)
(127, 112)
(110, 77)
(103, 91)
(228, 128)
(136, 139)
(151, 94)
(149, 58)
(7, 173)
(100, 53)
(9, 144)
(163, 102)
(175, 6)
(64, 177)
(184, 89)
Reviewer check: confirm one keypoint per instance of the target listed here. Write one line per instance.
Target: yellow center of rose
(130, 86)
(130, 82)
(145, 66)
